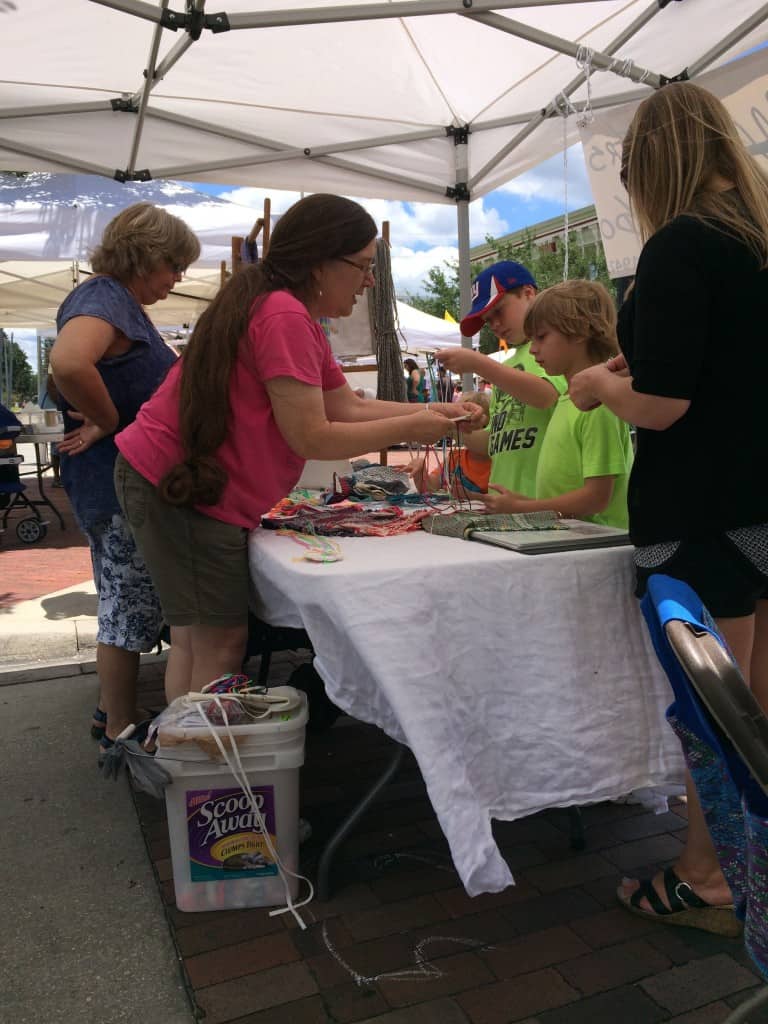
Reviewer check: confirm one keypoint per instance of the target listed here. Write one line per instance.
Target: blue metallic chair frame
(724, 735)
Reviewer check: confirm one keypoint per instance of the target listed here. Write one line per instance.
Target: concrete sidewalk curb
(35, 671)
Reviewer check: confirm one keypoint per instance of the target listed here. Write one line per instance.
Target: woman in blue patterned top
(107, 360)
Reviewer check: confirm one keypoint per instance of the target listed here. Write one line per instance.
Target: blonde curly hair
(578, 309)
(139, 239)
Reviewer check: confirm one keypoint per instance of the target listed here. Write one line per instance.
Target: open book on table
(568, 535)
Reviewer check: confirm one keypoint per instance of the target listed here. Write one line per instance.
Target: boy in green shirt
(585, 459)
(524, 395)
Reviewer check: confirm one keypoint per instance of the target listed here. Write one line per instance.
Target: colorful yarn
(317, 549)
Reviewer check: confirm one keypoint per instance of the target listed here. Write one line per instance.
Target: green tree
(546, 262)
(441, 292)
(17, 381)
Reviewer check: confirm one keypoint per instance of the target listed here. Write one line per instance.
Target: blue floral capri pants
(129, 614)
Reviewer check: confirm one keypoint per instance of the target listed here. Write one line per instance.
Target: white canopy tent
(422, 332)
(63, 216)
(49, 223)
(31, 291)
(436, 100)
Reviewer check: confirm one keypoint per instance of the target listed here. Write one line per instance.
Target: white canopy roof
(437, 100)
(31, 292)
(356, 98)
(63, 216)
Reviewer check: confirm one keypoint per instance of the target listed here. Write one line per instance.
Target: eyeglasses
(364, 270)
(178, 268)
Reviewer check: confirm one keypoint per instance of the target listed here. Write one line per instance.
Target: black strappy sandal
(685, 907)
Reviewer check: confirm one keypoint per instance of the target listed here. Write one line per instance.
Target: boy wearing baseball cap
(524, 396)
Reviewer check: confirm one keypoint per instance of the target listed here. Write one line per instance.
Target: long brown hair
(318, 228)
(681, 140)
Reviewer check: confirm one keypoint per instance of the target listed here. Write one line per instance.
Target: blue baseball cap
(488, 288)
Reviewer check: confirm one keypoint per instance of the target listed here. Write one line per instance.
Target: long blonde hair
(680, 141)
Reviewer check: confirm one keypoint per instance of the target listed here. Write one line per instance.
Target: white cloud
(434, 224)
(255, 197)
(423, 235)
(546, 182)
(410, 267)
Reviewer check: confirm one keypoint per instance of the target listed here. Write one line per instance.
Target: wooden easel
(262, 224)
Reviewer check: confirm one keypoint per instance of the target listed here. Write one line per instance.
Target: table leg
(578, 841)
(44, 499)
(324, 866)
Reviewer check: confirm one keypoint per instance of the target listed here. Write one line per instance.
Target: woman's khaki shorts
(199, 565)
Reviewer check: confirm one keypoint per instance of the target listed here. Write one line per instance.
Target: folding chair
(724, 734)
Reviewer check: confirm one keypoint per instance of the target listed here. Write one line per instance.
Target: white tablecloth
(520, 682)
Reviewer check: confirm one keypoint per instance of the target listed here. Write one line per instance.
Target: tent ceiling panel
(44, 216)
(32, 291)
(311, 85)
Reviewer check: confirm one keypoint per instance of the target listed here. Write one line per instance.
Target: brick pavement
(61, 559)
(401, 943)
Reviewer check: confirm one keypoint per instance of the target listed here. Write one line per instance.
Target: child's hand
(503, 500)
(415, 466)
(459, 360)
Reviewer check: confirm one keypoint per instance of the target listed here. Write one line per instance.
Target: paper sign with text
(742, 86)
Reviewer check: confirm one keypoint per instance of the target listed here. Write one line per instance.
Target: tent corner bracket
(217, 22)
(459, 192)
(194, 21)
(124, 104)
(683, 76)
(123, 176)
(459, 133)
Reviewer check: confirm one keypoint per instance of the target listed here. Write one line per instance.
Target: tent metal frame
(194, 21)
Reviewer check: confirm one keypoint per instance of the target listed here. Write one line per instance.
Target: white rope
(584, 64)
(240, 776)
(624, 67)
(566, 107)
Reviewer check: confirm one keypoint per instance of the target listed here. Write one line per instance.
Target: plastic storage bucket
(220, 858)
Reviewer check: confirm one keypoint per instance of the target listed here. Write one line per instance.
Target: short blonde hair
(139, 239)
(578, 309)
(679, 142)
(481, 398)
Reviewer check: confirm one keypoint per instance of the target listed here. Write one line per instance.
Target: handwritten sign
(743, 88)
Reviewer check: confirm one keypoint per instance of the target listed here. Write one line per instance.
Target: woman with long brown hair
(694, 337)
(256, 393)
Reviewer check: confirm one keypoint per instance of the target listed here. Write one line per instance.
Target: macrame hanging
(382, 312)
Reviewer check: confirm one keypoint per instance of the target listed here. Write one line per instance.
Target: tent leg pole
(461, 152)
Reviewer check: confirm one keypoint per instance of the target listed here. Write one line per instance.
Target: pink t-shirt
(282, 341)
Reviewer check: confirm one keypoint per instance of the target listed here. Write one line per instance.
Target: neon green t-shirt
(516, 430)
(579, 445)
